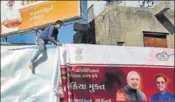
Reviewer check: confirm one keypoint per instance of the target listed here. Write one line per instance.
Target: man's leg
(43, 58)
(41, 46)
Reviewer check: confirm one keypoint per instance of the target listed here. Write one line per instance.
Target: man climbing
(50, 33)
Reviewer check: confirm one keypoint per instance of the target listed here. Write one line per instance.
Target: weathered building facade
(133, 26)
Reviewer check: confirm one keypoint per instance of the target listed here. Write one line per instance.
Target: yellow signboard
(48, 12)
(38, 15)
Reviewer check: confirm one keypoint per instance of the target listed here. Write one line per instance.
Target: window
(120, 43)
(155, 39)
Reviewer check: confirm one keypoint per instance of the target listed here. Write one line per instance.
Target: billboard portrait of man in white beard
(131, 91)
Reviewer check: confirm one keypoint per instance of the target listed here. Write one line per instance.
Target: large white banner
(98, 73)
(18, 84)
(102, 54)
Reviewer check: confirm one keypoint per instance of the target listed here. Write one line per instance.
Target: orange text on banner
(48, 12)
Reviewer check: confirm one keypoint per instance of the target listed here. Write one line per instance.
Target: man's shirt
(49, 34)
(162, 96)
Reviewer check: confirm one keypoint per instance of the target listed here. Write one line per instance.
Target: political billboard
(24, 15)
(100, 73)
(103, 83)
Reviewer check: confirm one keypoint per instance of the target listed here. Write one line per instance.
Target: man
(50, 33)
(11, 17)
(162, 93)
(131, 92)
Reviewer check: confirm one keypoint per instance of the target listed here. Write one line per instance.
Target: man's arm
(51, 29)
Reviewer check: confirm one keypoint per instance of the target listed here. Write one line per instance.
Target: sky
(66, 32)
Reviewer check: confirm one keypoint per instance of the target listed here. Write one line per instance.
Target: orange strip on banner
(48, 12)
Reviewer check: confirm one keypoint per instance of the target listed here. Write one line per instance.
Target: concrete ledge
(170, 15)
(161, 8)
